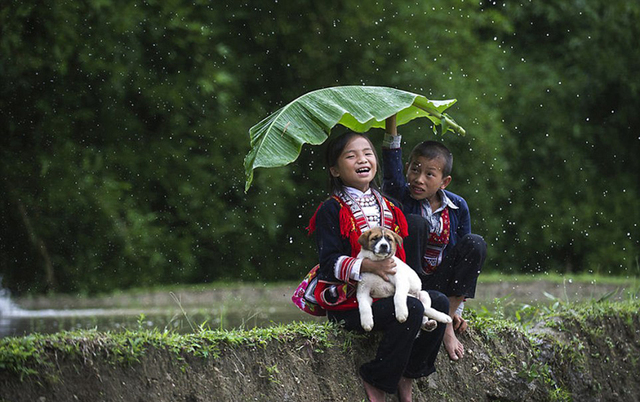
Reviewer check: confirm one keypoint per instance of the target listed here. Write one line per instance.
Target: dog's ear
(364, 238)
(397, 238)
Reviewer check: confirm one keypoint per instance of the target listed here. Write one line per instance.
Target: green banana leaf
(278, 139)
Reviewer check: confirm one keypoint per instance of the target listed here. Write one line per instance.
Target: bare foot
(404, 389)
(452, 344)
(373, 394)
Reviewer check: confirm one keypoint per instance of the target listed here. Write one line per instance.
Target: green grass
(37, 354)
(497, 277)
(30, 354)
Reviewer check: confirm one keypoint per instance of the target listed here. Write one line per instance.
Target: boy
(440, 245)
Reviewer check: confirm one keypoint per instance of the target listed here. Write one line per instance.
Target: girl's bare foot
(452, 344)
(404, 389)
(373, 394)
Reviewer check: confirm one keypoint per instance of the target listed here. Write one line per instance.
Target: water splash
(11, 314)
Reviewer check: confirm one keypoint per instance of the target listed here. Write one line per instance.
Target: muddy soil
(590, 358)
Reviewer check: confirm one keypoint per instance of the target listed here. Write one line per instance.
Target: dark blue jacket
(396, 187)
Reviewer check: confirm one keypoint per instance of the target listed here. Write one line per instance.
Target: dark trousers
(458, 273)
(399, 352)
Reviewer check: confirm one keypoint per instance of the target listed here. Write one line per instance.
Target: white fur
(403, 283)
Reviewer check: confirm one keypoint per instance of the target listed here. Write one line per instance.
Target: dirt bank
(586, 354)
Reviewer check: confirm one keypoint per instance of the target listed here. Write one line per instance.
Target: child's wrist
(391, 141)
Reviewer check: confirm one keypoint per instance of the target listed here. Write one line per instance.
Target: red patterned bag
(304, 298)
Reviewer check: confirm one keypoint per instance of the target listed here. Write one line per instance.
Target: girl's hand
(390, 125)
(381, 268)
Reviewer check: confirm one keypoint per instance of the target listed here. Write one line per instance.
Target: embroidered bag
(303, 296)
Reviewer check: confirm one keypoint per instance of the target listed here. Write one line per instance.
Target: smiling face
(357, 165)
(425, 178)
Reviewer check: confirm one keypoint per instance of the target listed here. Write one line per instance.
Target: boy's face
(425, 177)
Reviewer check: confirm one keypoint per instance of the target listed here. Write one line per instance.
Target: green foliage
(573, 142)
(125, 126)
(278, 138)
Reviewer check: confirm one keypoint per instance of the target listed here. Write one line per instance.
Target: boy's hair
(334, 149)
(432, 150)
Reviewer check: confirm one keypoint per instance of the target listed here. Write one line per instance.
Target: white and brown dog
(378, 244)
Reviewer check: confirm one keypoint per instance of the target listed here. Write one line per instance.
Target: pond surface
(242, 306)
(182, 311)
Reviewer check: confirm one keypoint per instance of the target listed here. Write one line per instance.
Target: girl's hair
(335, 147)
(432, 150)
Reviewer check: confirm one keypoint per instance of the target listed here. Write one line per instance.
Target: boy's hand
(380, 268)
(390, 125)
(459, 324)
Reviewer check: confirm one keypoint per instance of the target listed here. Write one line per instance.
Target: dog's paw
(443, 318)
(367, 324)
(437, 315)
(402, 316)
(429, 325)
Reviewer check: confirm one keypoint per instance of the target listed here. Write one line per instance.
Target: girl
(355, 206)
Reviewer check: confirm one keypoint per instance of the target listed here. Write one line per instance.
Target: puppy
(378, 244)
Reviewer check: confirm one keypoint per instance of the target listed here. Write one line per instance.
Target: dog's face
(381, 241)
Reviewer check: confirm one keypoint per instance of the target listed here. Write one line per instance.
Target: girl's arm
(334, 251)
(331, 246)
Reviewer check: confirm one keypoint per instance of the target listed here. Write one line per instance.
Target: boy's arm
(465, 218)
(393, 181)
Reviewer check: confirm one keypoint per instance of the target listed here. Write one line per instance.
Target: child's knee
(416, 309)
(476, 244)
(439, 301)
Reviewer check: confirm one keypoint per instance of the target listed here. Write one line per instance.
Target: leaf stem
(448, 121)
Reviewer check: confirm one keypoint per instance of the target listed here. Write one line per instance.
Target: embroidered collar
(355, 193)
(445, 202)
(386, 216)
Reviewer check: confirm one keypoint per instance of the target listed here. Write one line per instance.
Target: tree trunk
(40, 246)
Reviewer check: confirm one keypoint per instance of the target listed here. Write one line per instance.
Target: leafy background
(125, 125)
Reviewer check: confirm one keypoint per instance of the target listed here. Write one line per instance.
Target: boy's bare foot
(452, 344)
(373, 394)
(404, 389)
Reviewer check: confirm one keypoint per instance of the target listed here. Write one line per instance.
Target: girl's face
(356, 165)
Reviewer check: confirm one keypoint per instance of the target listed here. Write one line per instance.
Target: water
(238, 306)
(228, 308)
(20, 322)
(16, 321)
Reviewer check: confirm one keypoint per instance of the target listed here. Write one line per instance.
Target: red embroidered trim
(436, 244)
